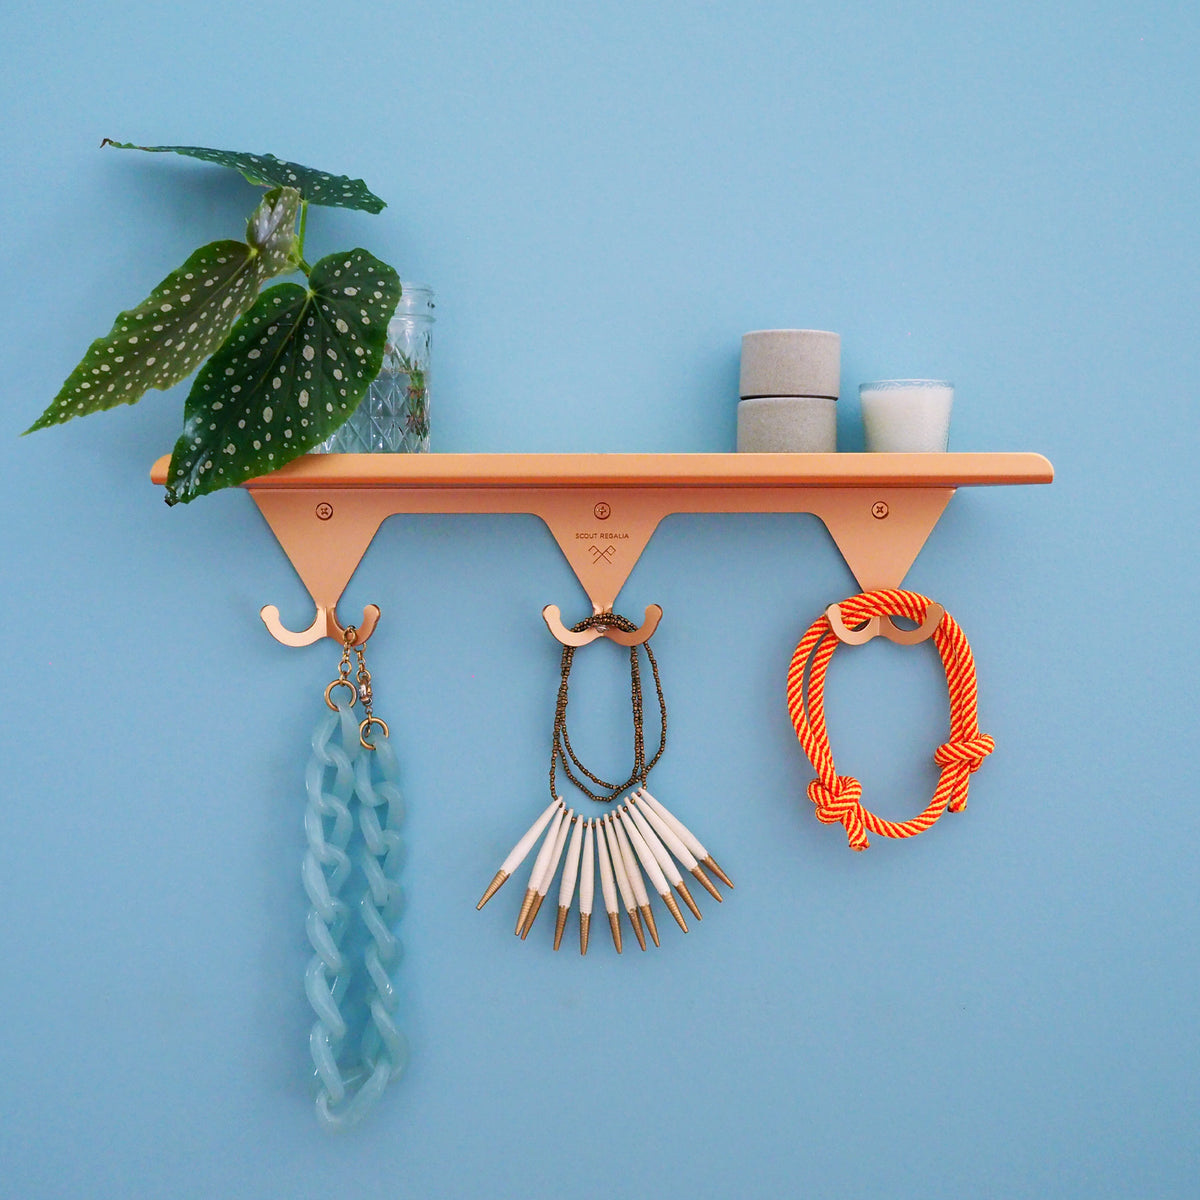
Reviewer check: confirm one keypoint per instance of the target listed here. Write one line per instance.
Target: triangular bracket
(602, 509)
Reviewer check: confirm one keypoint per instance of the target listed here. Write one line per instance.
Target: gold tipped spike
(682, 889)
(585, 929)
(648, 917)
(560, 924)
(614, 923)
(538, 899)
(492, 888)
(707, 884)
(526, 905)
(636, 921)
(673, 905)
(710, 863)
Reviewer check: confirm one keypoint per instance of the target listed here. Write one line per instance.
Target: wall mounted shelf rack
(603, 508)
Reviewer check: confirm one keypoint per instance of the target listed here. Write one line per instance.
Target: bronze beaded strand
(563, 752)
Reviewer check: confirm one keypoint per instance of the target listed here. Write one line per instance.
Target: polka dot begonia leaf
(183, 320)
(265, 170)
(292, 371)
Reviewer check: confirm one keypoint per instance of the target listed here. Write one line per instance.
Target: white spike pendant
(640, 848)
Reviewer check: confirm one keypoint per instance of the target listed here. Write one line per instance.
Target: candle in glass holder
(906, 415)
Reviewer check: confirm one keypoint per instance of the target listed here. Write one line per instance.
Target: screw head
(324, 511)
(879, 510)
(602, 511)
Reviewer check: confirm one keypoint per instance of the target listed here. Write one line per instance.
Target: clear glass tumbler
(394, 414)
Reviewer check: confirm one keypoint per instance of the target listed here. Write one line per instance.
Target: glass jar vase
(394, 414)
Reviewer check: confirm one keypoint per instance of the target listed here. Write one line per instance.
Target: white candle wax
(910, 415)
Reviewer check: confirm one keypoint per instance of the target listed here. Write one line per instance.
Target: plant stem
(300, 243)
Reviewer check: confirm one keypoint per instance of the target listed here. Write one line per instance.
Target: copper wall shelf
(603, 508)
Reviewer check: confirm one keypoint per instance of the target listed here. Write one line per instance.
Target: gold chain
(343, 679)
(360, 691)
(364, 680)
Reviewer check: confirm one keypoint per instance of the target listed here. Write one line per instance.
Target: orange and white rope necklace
(838, 797)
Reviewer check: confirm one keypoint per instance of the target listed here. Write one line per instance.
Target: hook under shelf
(568, 637)
(325, 625)
(884, 627)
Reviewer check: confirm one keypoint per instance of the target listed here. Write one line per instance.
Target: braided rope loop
(838, 798)
(356, 1048)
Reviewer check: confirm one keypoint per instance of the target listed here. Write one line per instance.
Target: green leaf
(293, 370)
(183, 320)
(265, 170)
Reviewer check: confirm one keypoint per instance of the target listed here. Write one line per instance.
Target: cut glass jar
(394, 414)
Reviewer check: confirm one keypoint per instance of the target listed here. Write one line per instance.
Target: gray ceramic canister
(789, 390)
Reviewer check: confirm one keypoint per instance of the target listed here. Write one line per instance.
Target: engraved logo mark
(605, 555)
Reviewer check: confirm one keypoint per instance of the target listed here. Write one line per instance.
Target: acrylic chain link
(355, 1059)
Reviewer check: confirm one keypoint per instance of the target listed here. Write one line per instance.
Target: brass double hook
(325, 625)
(884, 627)
(554, 622)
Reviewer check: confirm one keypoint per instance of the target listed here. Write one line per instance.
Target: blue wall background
(605, 200)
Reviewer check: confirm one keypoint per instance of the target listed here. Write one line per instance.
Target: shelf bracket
(603, 509)
(880, 532)
(601, 531)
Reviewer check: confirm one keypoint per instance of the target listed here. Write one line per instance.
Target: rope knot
(971, 751)
(838, 803)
